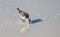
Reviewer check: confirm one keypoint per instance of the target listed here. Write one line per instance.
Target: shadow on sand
(36, 21)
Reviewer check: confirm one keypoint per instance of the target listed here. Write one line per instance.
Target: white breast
(24, 18)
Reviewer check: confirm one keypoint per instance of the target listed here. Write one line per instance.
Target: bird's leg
(23, 20)
(29, 21)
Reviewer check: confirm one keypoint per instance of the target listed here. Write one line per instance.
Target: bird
(24, 16)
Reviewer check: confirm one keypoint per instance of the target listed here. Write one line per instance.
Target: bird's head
(19, 10)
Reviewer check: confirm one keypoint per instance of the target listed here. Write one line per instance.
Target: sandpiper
(24, 16)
